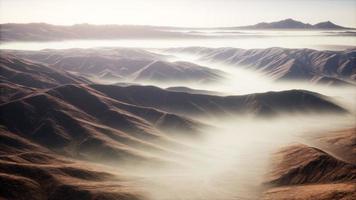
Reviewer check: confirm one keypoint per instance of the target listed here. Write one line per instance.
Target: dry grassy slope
(301, 164)
(340, 143)
(42, 123)
(29, 171)
(301, 172)
(23, 72)
(337, 191)
(79, 121)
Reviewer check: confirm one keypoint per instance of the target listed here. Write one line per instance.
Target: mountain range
(87, 124)
(137, 65)
(123, 64)
(64, 136)
(49, 32)
(327, 67)
(293, 24)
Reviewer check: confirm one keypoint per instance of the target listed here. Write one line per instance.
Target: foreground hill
(301, 164)
(341, 143)
(302, 172)
(331, 67)
(29, 171)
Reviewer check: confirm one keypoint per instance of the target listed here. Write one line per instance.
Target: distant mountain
(177, 71)
(328, 25)
(49, 32)
(293, 24)
(325, 67)
(130, 64)
(122, 64)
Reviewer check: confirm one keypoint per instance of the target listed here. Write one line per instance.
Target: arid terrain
(171, 122)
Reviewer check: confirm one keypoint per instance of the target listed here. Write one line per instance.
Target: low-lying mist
(240, 81)
(231, 157)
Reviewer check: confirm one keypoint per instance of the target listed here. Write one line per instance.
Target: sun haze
(192, 13)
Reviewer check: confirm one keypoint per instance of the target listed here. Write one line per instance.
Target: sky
(188, 13)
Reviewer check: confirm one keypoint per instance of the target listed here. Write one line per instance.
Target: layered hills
(123, 64)
(335, 68)
(330, 67)
(65, 137)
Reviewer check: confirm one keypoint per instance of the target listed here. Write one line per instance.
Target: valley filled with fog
(188, 118)
(245, 39)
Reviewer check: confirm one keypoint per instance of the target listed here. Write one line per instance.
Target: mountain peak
(327, 25)
(290, 23)
(290, 20)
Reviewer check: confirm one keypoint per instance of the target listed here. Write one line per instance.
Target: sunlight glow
(195, 13)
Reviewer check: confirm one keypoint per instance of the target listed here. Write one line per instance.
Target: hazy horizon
(196, 13)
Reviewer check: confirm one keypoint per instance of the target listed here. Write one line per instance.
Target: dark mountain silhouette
(327, 25)
(331, 67)
(293, 24)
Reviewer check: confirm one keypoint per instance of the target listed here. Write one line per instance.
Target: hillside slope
(334, 67)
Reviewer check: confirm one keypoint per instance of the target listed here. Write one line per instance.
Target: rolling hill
(64, 137)
(303, 172)
(122, 64)
(331, 67)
